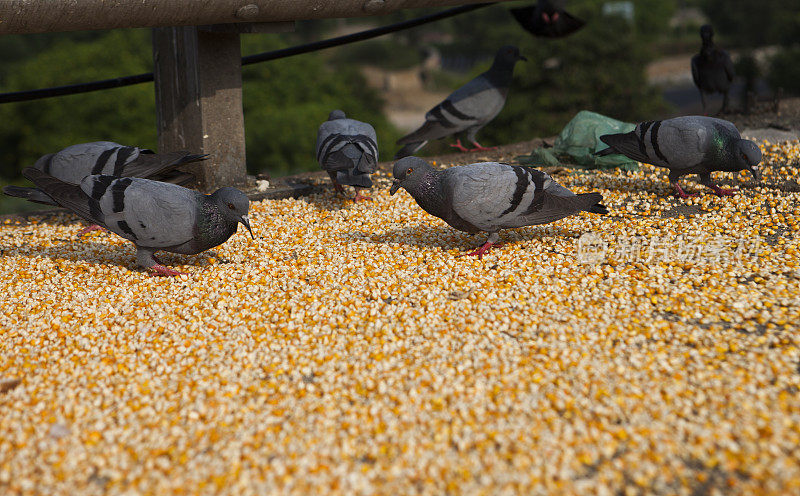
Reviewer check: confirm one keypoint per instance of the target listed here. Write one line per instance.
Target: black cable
(73, 89)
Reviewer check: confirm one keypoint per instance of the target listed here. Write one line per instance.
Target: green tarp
(578, 142)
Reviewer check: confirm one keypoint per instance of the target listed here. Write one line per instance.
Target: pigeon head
(336, 114)
(748, 156)
(506, 57)
(234, 206)
(409, 172)
(706, 32)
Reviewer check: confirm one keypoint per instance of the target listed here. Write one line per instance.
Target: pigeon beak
(395, 187)
(246, 222)
(755, 172)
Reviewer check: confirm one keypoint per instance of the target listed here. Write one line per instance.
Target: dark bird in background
(688, 145)
(153, 215)
(712, 69)
(75, 162)
(469, 108)
(490, 196)
(348, 150)
(548, 19)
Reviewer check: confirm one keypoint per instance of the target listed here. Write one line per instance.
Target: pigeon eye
(410, 170)
(230, 206)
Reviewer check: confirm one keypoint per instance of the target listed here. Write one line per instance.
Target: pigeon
(712, 69)
(152, 214)
(469, 108)
(75, 162)
(548, 19)
(348, 150)
(688, 145)
(490, 196)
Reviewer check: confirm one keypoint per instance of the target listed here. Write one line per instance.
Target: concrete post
(198, 84)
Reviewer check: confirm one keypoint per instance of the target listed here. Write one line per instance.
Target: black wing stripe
(538, 194)
(440, 118)
(122, 158)
(654, 141)
(523, 180)
(101, 184)
(48, 163)
(118, 193)
(451, 109)
(326, 145)
(642, 131)
(124, 227)
(102, 159)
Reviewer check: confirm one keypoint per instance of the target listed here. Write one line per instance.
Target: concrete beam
(40, 16)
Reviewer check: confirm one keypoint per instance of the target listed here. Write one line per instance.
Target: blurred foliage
(386, 53)
(784, 70)
(31, 129)
(284, 100)
(747, 23)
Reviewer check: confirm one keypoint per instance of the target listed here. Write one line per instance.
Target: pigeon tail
(161, 166)
(627, 144)
(409, 149)
(598, 208)
(31, 194)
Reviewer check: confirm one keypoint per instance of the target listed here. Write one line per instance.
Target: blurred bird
(688, 145)
(548, 19)
(348, 150)
(712, 69)
(153, 215)
(489, 196)
(469, 108)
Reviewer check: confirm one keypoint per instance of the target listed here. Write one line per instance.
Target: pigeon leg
(721, 191)
(479, 147)
(336, 186)
(458, 145)
(93, 227)
(490, 243)
(679, 191)
(360, 197)
(160, 270)
(725, 108)
(146, 259)
(703, 101)
(709, 183)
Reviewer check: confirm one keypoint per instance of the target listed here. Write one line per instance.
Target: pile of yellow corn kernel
(349, 350)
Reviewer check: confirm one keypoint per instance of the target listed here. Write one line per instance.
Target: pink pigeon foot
(682, 194)
(481, 251)
(458, 145)
(480, 148)
(160, 270)
(359, 197)
(93, 227)
(723, 192)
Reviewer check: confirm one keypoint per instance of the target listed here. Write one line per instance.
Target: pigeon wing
(149, 213)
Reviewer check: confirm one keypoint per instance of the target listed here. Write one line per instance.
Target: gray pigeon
(469, 108)
(75, 162)
(348, 150)
(152, 214)
(548, 19)
(712, 69)
(688, 145)
(490, 196)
